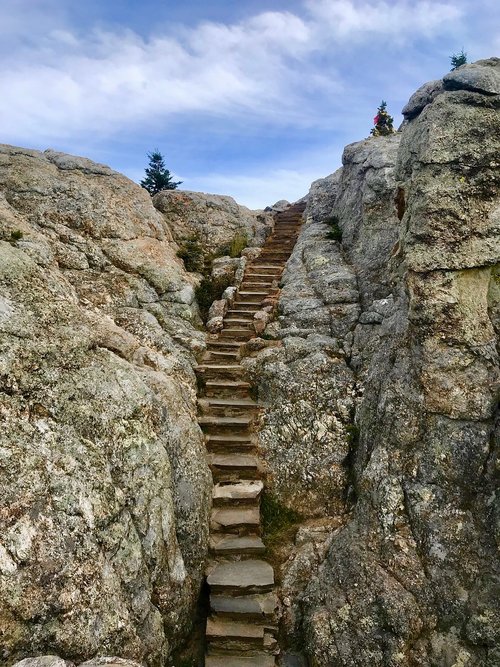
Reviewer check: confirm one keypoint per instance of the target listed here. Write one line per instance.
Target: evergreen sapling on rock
(158, 177)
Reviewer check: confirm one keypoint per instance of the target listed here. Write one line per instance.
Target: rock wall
(215, 220)
(105, 489)
(382, 402)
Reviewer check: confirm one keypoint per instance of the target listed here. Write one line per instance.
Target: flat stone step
(237, 334)
(239, 322)
(246, 490)
(242, 312)
(234, 518)
(222, 628)
(234, 466)
(232, 402)
(218, 355)
(233, 369)
(246, 304)
(225, 422)
(259, 607)
(257, 289)
(241, 577)
(219, 343)
(232, 447)
(229, 545)
(218, 387)
(234, 661)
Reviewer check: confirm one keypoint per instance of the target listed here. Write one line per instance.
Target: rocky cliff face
(105, 489)
(382, 403)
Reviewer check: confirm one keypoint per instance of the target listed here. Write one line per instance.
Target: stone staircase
(241, 629)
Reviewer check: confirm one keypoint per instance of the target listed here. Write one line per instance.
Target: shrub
(208, 291)
(239, 242)
(458, 59)
(191, 253)
(16, 235)
(276, 518)
(335, 232)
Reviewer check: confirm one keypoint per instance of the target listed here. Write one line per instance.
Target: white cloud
(264, 67)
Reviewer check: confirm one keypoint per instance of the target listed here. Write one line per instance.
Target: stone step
(223, 344)
(246, 305)
(242, 545)
(257, 288)
(216, 424)
(221, 355)
(247, 491)
(258, 607)
(241, 577)
(227, 406)
(262, 284)
(235, 661)
(223, 443)
(238, 520)
(232, 402)
(223, 388)
(233, 467)
(257, 277)
(234, 636)
(219, 370)
(251, 313)
(263, 267)
(237, 334)
(239, 322)
(255, 297)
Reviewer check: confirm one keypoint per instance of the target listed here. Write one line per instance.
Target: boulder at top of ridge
(482, 76)
(421, 98)
(215, 220)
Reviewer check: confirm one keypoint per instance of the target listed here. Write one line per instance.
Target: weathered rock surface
(105, 489)
(54, 661)
(407, 572)
(216, 220)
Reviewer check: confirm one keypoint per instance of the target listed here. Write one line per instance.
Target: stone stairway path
(241, 629)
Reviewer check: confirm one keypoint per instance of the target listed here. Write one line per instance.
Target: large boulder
(105, 488)
(216, 221)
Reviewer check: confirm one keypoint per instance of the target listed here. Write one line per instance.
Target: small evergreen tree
(158, 177)
(382, 121)
(458, 59)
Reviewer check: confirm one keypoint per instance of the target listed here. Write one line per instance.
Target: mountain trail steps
(242, 627)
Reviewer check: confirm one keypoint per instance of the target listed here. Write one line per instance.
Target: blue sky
(251, 98)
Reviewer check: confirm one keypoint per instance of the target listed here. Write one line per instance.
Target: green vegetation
(383, 122)
(277, 519)
(208, 291)
(16, 235)
(191, 252)
(239, 242)
(158, 177)
(335, 232)
(458, 59)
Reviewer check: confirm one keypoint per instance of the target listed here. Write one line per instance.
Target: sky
(249, 98)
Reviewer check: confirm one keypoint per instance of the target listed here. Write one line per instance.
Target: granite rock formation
(215, 220)
(382, 401)
(104, 498)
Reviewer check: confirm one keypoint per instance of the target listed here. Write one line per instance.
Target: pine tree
(382, 121)
(458, 59)
(158, 177)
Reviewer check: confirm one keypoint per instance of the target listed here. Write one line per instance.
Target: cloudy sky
(252, 98)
